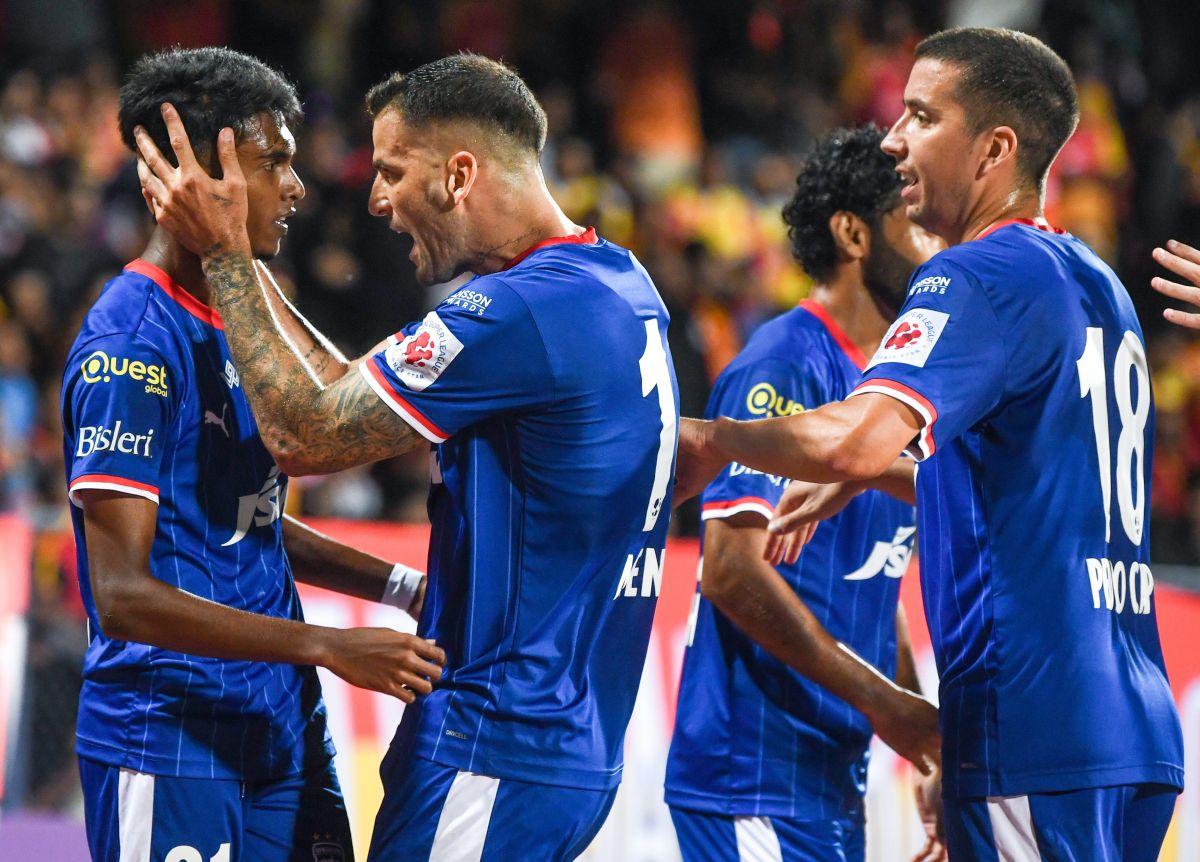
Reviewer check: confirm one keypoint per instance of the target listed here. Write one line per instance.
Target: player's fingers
(400, 692)
(231, 168)
(773, 550)
(429, 651)
(178, 136)
(1175, 290)
(159, 168)
(416, 683)
(1182, 318)
(1176, 263)
(1184, 250)
(419, 666)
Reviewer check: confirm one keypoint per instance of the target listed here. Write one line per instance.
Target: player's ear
(461, 170)
(1001, 150)
(851, 236)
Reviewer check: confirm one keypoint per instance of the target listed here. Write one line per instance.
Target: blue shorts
(1099, 824)
(707, 837)
(137, 817)
(438, 813)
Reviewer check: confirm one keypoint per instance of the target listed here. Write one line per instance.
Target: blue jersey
(549, 390)
(1022, 354)
(752, 736)
(152, 406)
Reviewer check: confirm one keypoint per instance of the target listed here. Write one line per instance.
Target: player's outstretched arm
(1184, 261)
(307, 428)
(855, 439)
(327, 563)
(133, 605)
(756, 598)
(323, 361)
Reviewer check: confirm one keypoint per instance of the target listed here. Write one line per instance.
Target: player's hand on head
(928, 792)
(203, 213)
(800, 509)
(697, 462)
(1184, 261)
(385, 660)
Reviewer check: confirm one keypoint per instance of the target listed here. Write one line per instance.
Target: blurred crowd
(676, 128)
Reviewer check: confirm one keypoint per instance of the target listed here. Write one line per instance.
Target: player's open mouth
(281, 222)
(909, 181)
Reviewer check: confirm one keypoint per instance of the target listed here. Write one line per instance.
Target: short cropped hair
(1007, 78)
(211, 88)
(845, 172)
(467, 87)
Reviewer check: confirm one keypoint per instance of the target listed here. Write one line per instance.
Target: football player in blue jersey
(202, 731)
(1018, 359)
(762, 756)
(546, 386)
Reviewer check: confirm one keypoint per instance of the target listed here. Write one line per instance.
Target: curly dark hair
(211, 88)
(468, 87)
(846, 171)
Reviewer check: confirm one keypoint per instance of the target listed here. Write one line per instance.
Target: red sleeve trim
(111, 483)
(729, 508)
(392, 397)
(926, 445)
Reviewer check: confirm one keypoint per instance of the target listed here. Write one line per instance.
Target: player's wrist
(402, 588)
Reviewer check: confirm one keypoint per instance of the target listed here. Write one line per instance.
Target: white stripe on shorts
(756, 840)
(463, 824)
(1012, 829)
(135, 815)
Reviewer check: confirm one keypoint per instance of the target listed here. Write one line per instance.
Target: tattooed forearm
(307, 428)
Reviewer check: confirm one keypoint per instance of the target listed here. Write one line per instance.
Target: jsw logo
(258, 509)
(891, 558)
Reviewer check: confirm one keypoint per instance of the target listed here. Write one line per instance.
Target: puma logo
(211, 418)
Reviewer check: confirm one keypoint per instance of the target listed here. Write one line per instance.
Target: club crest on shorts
(420, 358)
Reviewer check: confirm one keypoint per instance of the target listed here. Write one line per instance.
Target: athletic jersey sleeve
(944, 356)
(756, 390)
(464, 363)
(121, 398)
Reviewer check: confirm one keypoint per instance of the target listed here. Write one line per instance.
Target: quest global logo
(763, 400)
(99, 367)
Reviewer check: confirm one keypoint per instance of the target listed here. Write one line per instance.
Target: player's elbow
(291, 458)
(120, 607)
(853, 460)
(719, 577)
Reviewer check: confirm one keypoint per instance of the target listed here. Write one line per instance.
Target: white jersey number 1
(657, 376)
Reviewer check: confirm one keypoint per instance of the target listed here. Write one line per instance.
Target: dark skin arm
(323, 562)
(133, 605)
(852, 440)
(759, 601)
(307, 428)
(928, 789)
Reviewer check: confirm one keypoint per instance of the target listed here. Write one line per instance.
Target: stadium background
(676, 129)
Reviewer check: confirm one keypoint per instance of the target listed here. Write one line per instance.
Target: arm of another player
(856, 439)
(757, 599)
(324, 562)
(307, 429)
(805, 504)
(323, 360)
(1184, 261)
(133, 605)
(927, 788)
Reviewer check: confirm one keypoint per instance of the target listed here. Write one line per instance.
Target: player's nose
(893, 141)
(377, 202)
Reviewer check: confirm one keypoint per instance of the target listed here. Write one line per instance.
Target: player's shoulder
(126, 315)
(791, 338)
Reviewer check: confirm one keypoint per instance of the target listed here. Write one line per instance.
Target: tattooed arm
(308, 428)
(322, 359)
